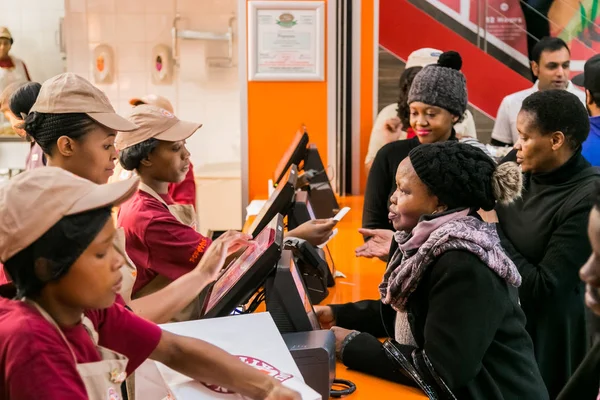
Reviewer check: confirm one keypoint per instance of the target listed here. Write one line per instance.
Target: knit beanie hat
(442, 85)
(463, 176)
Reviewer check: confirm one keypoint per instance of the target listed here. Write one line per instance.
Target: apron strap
(145, 188)
(178, 211)
(91, 329)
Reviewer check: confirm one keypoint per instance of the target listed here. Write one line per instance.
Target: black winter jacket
(467, 321)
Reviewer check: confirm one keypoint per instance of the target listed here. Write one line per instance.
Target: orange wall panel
(276, 110)
(367, 43)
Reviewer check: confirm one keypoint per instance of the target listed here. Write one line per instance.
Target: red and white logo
(260, 365)
(166, 113)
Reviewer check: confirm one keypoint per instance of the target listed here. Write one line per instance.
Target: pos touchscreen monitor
(295, 154)
(244, 276)
(287, 298)
(301, 210)
(278, 203)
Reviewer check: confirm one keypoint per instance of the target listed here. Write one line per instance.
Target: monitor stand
(297, 215)
(322, 198)
(315, 279)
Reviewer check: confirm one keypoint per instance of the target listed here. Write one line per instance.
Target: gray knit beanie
(442, 85)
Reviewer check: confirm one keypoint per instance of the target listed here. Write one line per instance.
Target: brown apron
(128, 270)
(102, 379)
(185, 214)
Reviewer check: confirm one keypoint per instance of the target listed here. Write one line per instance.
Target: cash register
(314, 178)
(311, 261)
(246, 274)
(290, 307)
(279, 202)
(300, 212)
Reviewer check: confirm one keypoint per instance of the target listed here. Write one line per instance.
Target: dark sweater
(585, 382)
(468, 322)
(545, 234)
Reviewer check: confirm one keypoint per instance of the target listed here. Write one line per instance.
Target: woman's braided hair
(45, 129)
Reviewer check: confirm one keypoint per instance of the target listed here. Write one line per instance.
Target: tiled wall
(133, 27)
(34, 25)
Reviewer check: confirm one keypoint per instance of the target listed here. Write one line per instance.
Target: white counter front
(254, 338)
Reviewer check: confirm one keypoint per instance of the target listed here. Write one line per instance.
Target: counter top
(11, 138)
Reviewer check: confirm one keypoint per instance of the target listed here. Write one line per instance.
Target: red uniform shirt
(8, 64)
(156, 242)
(35, 362)
(3, 278)
(184, 192)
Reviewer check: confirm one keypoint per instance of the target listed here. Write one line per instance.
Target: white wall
(34, 25)
(200, 93)
(13, 155)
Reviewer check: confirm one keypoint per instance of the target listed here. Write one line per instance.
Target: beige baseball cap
(155, 122)
(5, 33)
(423, 57)
(34, 201)
(70, 93)
(153, 100)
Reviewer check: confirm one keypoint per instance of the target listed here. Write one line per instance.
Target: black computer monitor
(287, 298)
(244, 276)
(294, 154)
(301, 210)
(322, 196)
(278, 203)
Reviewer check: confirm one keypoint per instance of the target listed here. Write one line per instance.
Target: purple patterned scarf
(430, 239)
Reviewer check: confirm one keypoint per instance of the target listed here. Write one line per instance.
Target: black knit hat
(463, 176)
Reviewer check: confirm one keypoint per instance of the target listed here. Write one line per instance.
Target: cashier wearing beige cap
(183, 192)
(66, 335)
(76, 126)
(160, 234)
(12, 69)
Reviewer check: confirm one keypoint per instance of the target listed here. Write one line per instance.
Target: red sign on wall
(504, 21)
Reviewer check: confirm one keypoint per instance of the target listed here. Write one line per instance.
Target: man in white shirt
(550, 63)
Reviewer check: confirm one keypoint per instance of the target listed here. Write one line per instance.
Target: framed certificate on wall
(286, 40)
